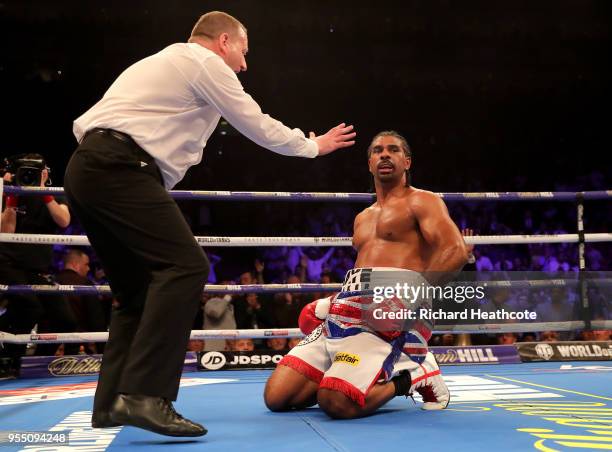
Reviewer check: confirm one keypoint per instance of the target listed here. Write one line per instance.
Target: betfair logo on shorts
(347, 358)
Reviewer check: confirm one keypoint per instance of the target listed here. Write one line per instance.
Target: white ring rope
(103, 336)
(491, 328)
(104, 289)
(81, 240)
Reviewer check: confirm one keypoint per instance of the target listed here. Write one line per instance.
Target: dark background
(482, 90)
(507, 95)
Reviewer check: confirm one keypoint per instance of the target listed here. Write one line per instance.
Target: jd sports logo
(216, 360)
(244, 360)
(213, 360)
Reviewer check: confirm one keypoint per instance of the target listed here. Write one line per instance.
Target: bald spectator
(88, 309)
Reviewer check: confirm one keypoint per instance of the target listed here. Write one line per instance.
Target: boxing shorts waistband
(362, 281)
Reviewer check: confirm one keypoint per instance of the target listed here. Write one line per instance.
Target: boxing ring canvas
(551, 406)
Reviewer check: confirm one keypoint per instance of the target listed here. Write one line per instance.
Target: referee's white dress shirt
(171, 102)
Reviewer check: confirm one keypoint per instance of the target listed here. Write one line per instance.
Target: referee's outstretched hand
(341, 136)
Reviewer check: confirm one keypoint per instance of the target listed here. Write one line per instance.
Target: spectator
(218, 315)
(340, 263)
(213, 259)
(87, 309)
(276, 262)
(557, 305)
(447, 340)
(602, 335)
(313, 264)
(277, 344)
(287, 306)
(293, 258)
(246, 278)
(326, 278)
(241, 345)
(586, 335)
(483, 263)
(195, 346)
(107, 301)
(528, 337)
(498, 299)
(256, 277)
(30, 263)
(549, 336)
(506, 339)
(251, 313)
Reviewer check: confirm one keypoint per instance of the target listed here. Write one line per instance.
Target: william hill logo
(347, 358)
(74, 366)
(466, 355)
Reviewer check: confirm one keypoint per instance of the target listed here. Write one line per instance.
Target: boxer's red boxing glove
(313, 314)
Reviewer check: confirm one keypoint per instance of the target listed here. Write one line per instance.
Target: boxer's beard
(408, 183)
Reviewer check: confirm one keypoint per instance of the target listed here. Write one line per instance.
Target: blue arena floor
(541, 406)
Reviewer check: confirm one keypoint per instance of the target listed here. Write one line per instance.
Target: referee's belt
(111, 133)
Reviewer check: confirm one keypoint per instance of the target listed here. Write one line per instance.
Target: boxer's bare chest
(392, 222)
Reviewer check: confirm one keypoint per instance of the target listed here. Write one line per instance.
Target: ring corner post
(582, 279)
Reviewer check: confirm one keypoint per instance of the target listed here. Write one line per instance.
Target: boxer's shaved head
(212, 24)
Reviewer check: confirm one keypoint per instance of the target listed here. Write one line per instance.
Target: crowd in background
(294, 265)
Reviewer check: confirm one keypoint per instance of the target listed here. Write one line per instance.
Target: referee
(136, 143)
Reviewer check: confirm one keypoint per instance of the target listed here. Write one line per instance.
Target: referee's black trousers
(155, 267)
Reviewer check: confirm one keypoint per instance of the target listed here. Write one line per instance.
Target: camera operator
(22, 263)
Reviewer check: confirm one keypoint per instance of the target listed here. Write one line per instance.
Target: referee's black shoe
(155, 414)
(101, 419)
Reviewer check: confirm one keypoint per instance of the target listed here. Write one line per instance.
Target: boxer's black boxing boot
(402, 383)
(155, 414)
